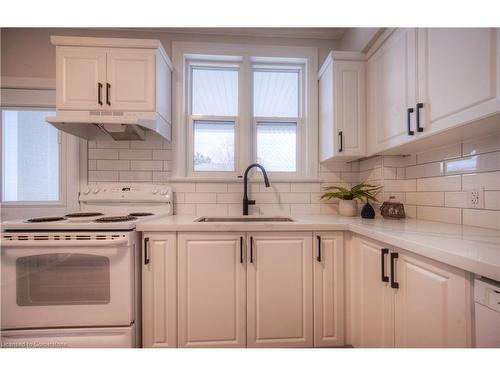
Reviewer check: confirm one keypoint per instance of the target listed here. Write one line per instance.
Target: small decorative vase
(348, 207)
(367, 212)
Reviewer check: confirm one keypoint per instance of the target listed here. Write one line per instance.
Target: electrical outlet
(475, 198)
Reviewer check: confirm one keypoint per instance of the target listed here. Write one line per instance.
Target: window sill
(237, 179)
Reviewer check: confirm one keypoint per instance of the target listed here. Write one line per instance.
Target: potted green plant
(348, 206)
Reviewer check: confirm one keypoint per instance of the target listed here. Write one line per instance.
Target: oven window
(62, 279)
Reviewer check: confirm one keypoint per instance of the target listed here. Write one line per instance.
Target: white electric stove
(74, 281)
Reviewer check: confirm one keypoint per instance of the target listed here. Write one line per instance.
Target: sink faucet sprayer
(246, 201)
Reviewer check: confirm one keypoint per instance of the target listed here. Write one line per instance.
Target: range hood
(121, 126)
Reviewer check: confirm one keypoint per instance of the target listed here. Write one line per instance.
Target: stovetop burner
(137, 214)
(45, 219)
(84, 214)
(114, 219)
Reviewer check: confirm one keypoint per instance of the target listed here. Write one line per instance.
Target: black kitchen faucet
(246, 201)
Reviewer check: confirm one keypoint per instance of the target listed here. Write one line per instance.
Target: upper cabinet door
(212, 290)
(279, 290)
(392, 91)
(432, 305)
(81, 78)
(131, 78)
(459, 73)
(329, 289)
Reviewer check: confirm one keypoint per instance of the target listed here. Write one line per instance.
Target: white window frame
(246, 56)
(20, 93)
(301, 146)
(216, 65)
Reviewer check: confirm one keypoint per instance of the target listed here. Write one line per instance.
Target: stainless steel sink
(250, 219)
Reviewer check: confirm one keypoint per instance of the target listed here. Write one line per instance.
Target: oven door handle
(63, 243)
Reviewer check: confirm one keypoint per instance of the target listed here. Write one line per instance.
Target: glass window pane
(214, 92)
(213, 146)
(277, 146)
(30, 157)
(276, 93)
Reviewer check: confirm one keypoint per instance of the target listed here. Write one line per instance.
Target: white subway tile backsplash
(444, 153)
(477, 163)
(305, 187)
(335, 166)
(400, 185)
(162, 154)
(136, 154)
(390, 173)
(305, 209)
(200, 197)
(371, 163)
(229, 198)
(184, 187)
(370, 175)
(492, 200)
(92, 165)
(278, 187)
(101, 176)
(146, 165)
(443, 214)
(113, 165)
(295, 198)
(425, 198)
(185, 209)
(112, 144)
(455, 199)
(161, 176)
(103, 153)
(212, 209)
(330, 176)
(350, 176)
(481, 145)
(136, 176)
(447, 183)
(425, 170)
(398, 161)
(211, 187)
(270, 209)
(489, 181)
(482, 218)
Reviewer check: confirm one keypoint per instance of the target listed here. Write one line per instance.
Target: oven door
(67, 283)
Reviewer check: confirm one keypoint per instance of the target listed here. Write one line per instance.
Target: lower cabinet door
(432, 304)
(279, 293)
(328, 289)
(212, 290)
(372, 299)
(159, 290)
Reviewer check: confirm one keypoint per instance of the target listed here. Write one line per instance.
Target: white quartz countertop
(473, 249)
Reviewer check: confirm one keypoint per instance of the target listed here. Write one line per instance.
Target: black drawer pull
(419, 107)
(394, 283)
(108, 93)
(341, 136)
(241, 249)
(383, 253)
(146, 251)
(318, 258)
(99, 93)
(251, 249)
(410, 132)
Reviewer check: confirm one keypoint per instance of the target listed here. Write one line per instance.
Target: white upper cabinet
(112, 74)
(459, 76)
(391, 92)
(425, 81)
(81, 77)
(131, 80)
(342, 106)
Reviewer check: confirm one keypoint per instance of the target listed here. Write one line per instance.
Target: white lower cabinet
(212, 290)
(401, 299)
(328, 289)
(280, 290)
(159, 290)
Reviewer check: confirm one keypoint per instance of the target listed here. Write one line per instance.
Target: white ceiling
(328, 33)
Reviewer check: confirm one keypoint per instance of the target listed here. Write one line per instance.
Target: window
(30, 157)
(241, 104)
(276, 108)
(213, 118)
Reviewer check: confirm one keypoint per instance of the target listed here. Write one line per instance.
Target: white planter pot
(348, 208)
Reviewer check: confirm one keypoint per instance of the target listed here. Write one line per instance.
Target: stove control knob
(154, 191)
(163, 192)
(86, 191)
(95, 191)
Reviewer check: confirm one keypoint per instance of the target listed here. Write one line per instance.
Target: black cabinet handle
(419, 107)
(241, 249)
(251, 249)
(108, 91)
(341, 142)
(99, 93)
(146, 250)
(394, 283)
(318, 258)
(383, 253)
(410, 132)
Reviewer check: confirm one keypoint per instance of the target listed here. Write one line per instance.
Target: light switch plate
(475, 198)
